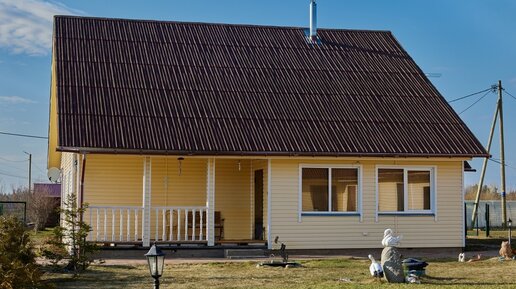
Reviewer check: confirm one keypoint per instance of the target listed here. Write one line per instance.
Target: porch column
(146, 203)
(269, 203)
(210, 202)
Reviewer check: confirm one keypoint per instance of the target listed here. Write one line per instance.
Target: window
(329, 190)
(405, 190)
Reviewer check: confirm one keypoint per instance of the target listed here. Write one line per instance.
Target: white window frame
(301, 213)
(406, 169)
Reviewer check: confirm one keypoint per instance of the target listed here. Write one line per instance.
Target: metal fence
(495, 213)
(18, 209)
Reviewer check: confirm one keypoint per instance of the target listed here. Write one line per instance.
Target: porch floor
(240, 243)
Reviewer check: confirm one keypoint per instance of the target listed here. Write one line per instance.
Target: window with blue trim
(405, 190)
(327, 189)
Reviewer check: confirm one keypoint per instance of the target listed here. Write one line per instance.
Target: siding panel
(347, 231)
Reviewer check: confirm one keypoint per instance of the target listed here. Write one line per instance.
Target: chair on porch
(218, 224)
(193, 232)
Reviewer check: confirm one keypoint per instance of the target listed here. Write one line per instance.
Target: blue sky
(471, 43)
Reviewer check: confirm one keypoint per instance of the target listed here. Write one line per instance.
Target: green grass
(39, 237)
(489, 273)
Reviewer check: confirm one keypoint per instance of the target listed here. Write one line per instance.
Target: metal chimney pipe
(313, 20)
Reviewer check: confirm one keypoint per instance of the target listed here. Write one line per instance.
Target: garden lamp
(510, 230)
(156, 260)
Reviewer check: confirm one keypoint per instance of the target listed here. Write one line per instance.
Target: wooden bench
(218, 224)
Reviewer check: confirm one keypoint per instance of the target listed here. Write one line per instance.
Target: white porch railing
(114, 223)
(179, 223)
(121, 224)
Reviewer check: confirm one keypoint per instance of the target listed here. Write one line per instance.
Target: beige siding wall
(444, 230)
(68, 176)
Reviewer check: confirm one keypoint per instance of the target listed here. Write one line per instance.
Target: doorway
(258, 205)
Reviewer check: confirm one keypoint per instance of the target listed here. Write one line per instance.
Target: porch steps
(245, 253)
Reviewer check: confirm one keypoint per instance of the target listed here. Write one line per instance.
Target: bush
(18, 266)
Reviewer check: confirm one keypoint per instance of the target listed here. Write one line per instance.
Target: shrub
(18, 266)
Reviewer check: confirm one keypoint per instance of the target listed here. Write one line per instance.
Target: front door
(258, 205)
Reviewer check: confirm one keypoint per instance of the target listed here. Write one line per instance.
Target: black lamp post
(156, 260)
(510, 230)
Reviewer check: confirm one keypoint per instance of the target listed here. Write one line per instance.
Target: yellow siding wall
(446, 230)
(171, 189)
(233, 197)
(117, 180)
(113, 180)
(54, 157)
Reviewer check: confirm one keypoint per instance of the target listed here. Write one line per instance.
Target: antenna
(433, 74)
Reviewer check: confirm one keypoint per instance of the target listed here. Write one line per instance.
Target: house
(53, 192)
(204, 133)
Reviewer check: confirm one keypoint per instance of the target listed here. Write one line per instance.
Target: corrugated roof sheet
(196, 88)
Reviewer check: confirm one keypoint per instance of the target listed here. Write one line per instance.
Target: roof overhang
(258, 153)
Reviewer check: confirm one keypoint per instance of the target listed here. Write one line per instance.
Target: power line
(509, 93)
(39, 169)
(13, 167)
(469, 95)
(475, 102)
(499, 162)
(8, 160)
(14, 176)
(23, 135)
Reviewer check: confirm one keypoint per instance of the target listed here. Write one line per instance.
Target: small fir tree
(70, 237)
(18, 267)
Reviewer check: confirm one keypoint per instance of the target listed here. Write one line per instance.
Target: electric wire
(467, 108)
(23, 135)
(13, 176)
(499, 162)
(509, 94)
(12, 167)
(470, 95)
(8, 160)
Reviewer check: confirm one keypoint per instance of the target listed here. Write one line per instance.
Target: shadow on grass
(103, 276)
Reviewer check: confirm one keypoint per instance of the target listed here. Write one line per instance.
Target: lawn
(332, 273)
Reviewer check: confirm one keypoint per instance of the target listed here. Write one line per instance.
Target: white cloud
(15, 100)
(26, 25)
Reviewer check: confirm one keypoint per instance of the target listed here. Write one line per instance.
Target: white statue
(390, 240)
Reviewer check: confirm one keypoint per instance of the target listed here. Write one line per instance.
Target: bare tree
(39, 204)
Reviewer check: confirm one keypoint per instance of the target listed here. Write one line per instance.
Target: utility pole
(498, 114)
(484, 167)
(502, 157)
(30, 169)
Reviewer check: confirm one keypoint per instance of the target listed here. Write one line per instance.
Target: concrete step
(244, 253)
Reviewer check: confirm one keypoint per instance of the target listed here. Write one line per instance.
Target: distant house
(209, 133)
(52, 191)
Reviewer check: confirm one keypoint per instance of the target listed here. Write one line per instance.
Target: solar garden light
(510, 230)
(156, 260)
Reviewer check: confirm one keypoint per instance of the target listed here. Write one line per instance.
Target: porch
(194, 202)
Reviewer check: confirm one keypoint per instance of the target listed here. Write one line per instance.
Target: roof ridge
(219, 24)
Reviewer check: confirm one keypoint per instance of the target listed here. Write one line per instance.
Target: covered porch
(173, 200)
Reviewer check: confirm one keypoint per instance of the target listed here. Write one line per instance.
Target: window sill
(429, 214)
(329, 214)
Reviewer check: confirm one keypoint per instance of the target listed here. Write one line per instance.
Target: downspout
(81, 192)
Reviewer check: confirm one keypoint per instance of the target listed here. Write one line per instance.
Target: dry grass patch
(332, 273)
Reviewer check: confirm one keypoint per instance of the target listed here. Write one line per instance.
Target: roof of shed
(218, 89)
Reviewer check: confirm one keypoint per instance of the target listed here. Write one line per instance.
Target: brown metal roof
(195, 88)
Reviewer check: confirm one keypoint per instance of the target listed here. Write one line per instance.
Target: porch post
(269, 203)
(210, 202)
(146, 203)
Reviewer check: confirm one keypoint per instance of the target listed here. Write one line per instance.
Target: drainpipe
(81, 192)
